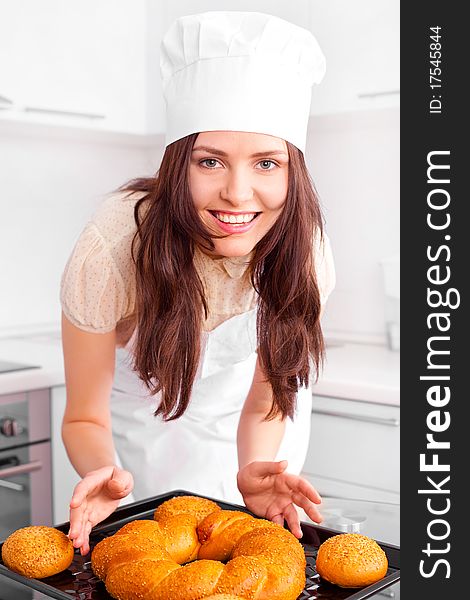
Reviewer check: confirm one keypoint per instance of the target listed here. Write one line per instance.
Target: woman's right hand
(96, 496)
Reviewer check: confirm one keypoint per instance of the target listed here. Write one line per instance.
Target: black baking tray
(79, 583)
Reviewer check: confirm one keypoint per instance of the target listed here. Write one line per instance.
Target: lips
(234, 222)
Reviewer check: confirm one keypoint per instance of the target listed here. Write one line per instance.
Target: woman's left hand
(270, 492)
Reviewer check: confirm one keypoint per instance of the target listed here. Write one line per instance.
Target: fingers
(302, 486)
(80, 492)
(93, 481)
(85, 548)
(305, 495)
(78, 521)
(120, 484)
(309, 507)
(75, 523)
(81, 540)
(91, 492)
(293, 521)
(279, 519)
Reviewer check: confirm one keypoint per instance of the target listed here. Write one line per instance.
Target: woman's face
(238, 183)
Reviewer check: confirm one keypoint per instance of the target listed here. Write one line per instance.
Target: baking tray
(79, 583)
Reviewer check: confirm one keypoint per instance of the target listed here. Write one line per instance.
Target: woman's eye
(267, 165)
(210, 163)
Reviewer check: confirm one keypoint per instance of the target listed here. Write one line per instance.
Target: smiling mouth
(234, 218)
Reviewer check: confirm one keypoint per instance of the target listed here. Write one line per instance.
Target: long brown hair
(170, 301)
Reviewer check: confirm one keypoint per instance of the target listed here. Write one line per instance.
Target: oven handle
(34, 465)
(10, 485)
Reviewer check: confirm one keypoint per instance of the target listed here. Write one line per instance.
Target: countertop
(364, 372)
(353, 371)
(42, 350)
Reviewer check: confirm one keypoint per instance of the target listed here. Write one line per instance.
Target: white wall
(50, 187)
(52, 183)
(354, 161)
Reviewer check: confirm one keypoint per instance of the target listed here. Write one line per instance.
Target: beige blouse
(98, 284)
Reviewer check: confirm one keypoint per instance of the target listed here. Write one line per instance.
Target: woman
(209, 279)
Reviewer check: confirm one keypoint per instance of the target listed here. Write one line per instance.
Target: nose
(237, 187)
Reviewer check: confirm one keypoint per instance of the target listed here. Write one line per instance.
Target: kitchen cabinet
(354, 449)
(95, 65)
(64, 476)
(82, 64)
(360, 40)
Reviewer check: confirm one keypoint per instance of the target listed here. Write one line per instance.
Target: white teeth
(235, 219)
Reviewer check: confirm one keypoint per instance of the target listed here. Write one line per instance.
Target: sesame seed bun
(37, 551)
(351, 560)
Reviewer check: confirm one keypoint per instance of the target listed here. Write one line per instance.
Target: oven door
(25, 487)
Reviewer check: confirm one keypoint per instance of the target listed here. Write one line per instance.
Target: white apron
(198, 451)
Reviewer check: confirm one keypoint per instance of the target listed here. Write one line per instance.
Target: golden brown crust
(193, 505)
(180, 537)
(265, 561)
(217, 521)
(140, 561)
(219, 531)
(351, 560)
(283, 557)
(274, 543)
(142, 527)
(125, 555)
(191, 582)
(108, 551)
(37, 551)
(135, 580)
(243, 576)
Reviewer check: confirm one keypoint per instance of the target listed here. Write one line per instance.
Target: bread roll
(140, 562)
(351, 560)
(37, 551)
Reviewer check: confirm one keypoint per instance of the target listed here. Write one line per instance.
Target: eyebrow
(212, 150)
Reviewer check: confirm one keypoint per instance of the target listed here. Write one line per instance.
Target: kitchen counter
(353, 371)
(366, 372)
(41, 350)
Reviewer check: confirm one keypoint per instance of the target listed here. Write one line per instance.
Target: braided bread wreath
(142, 560)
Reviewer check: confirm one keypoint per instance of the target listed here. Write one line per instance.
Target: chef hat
(239, 71)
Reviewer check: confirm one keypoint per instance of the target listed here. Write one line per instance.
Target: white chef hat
(239, 71)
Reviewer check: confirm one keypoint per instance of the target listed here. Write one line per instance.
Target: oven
(25, 461)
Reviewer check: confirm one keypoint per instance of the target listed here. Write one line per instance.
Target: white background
(101, 57)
